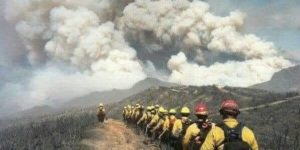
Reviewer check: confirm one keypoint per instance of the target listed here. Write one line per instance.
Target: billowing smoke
(214, 51)
(113, 44)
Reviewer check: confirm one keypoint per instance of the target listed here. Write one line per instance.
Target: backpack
(233, 138)
(172, 121)
(202, 134)
(185, 126)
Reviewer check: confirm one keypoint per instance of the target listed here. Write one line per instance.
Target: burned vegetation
(274, 117)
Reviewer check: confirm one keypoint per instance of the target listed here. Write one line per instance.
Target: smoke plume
(113, 44)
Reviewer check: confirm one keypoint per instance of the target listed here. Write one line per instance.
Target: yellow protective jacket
(132, 115)
(149, 118)
(191, 132)
(172, 120)
(137, 114)
(160, 124)
(129, 114)
(124, 112)
(216, 136)
(143, 118)
(166, 124)
(178, 126)
(154, 120)
(101, 109)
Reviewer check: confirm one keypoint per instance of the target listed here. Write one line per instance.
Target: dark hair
(229, 113)
(185, 114)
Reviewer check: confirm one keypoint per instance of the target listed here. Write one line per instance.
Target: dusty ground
(114, 135)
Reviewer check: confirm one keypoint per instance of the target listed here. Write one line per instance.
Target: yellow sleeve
(248, 137)
(136, 115)
(214, 137)
(177, 128)
(166, 125)
(142, 118)
(154, 120)
(191, 131)
(158, 125)
(187, 137)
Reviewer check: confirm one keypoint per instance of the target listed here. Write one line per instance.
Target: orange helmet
(201, 109)
(229, 105)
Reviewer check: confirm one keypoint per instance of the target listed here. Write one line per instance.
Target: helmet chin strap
(201, 119)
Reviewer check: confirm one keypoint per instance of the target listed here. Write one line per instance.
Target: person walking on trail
(180, 127)
(124, 113)
(127, 113)
(101, 113)
(142, 121)
(133, 113)
(138, 113)
(167, 125)
(153, 121)
(172, 118)
(230, 134)
(159, 127)
(197, 132)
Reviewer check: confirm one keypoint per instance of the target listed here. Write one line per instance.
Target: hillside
(283, 81)
(266, 112)
(189, 95)
(114, 95)
(273, 117)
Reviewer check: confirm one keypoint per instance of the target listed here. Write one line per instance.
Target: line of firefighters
(182, 133)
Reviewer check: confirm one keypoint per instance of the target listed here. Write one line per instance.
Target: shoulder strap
(237, 130)
(204, 132)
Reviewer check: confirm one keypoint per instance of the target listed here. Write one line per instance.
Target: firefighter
(197, 132)
(160, 126)
(180, 127)
(230, 133)
(154, 120)
(142, 122)
(101, 113)
(124, 113)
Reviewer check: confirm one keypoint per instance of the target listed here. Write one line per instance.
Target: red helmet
(201, 109)
(229, 105)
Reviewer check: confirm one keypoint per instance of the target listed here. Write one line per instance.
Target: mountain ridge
(285, 80)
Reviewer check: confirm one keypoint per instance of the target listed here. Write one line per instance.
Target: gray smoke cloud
(96, 45)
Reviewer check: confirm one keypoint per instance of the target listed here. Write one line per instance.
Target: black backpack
(233, 137)
(202, 134)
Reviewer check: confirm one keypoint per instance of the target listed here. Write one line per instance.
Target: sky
(276, 21)
(272, 20)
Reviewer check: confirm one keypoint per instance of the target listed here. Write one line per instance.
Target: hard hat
(125, 107)
(100, 105)
(185, 110)
(156, 106)
(141, 107)
(172, 111)
(165, 112)
(137, 105)
(148, 108)
(161, 110)
(201, 109)
(229, 105)
(153, 111)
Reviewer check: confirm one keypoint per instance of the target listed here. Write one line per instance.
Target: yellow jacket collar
(230, 122)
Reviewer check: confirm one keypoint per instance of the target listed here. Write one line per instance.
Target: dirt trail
(114, 135)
